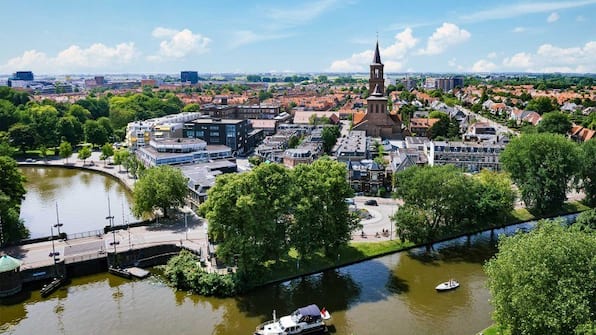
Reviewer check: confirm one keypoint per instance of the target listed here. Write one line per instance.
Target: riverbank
(290, 267)
(93, 163)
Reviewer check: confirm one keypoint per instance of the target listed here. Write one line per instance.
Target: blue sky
(133, 36)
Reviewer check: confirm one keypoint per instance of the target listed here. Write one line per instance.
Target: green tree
(438, 200)
(65, 150)
(496, 196)
(84, 153)
(45, 124)
(554, 122)
(543, 282)
(588, 171)
(159, 187)
(22, 136)
(329, 136)
(95, 133)
(321, 216)
(12, 193)
(70, 129)
(79, 112)
(8, 115)
(191, 108)
(445, 127)
(121, 157)
(587, 220)
(107, 151)
(541, 105)
(248, 217)
(542, 165)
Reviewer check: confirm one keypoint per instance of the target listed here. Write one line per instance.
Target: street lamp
(58, 224)
(54, 253)
(186, 225)
(110, 219)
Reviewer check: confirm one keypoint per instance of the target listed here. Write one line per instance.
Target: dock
(138, 272)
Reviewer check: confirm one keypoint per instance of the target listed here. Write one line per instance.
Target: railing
(81, 258)
(98, 233)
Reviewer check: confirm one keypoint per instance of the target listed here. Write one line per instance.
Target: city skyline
(64, 37)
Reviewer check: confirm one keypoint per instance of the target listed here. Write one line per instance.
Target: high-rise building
(189, 76)
(23, 75)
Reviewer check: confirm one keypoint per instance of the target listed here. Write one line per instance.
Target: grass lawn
(289, 266)
(493, 330)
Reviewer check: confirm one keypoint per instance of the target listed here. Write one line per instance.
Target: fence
(98, 233)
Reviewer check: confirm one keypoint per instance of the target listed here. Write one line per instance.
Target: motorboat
(448, 285)
(305, 320)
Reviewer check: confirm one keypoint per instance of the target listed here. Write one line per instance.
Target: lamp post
(58, 224)
(186, 225)
(54, 253)
(110, 219)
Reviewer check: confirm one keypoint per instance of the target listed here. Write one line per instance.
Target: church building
(377, 121)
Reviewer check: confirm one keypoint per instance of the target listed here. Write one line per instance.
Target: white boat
(448, 285)
(306, 320)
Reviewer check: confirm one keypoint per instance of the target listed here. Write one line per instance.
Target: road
(501, 129)
(380, 219)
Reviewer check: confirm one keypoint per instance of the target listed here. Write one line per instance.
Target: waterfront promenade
(192, 235)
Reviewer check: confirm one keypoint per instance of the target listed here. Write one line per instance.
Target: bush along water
(185, 272)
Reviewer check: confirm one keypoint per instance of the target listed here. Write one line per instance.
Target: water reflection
(81, 197)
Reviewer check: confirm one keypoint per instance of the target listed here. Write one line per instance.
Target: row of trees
(259, 215)
(440, 201)
(31, 125)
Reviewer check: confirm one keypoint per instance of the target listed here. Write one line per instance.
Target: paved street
(380, 219)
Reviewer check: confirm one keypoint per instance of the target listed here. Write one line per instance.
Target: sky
(310, 36)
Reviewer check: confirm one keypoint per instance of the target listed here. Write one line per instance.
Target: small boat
(305, 320)
(448, 285)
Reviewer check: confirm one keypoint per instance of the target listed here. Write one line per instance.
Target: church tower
(377, 121)
(376, 102)
(376, 72)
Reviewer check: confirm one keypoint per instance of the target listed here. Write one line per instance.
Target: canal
(389, 295)
(82, 198)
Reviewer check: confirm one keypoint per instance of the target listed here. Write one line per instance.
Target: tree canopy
(544, 282)
(259, 215)
(12, 193)
(542, 165)
(554, 122)
(159, 187)
(588, 171)
(441, 200)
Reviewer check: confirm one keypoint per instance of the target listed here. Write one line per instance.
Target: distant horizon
(312, 73)
(311, 36)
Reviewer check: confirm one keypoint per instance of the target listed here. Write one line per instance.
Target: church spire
(377, 56)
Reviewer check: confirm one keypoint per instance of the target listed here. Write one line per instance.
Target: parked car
(371, 202)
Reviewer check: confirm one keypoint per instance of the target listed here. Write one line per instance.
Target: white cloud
(553, 17)
(519, 60)
(518, 30)
(491, 55)
(550, 58)
(178, 43)
(514, 10)
(483, 66)
(393, 56)
(580, 18)
(445, 36)
(73, 59)
(244, 37)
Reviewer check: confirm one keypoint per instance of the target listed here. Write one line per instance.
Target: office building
(189, 77)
